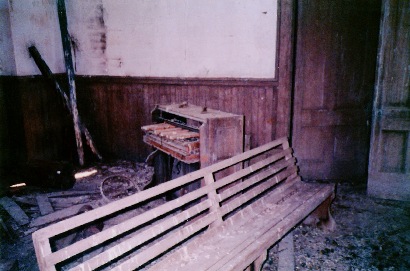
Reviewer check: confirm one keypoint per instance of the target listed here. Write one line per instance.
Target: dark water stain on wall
(97, 34)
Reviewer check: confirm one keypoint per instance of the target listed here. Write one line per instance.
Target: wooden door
(389, 167)
(336, 48)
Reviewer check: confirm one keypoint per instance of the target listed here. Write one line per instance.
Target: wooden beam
(62, 17)
(44, 205)
(14, 211)
(61, 214)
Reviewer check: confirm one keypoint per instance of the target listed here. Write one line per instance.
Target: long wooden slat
(14, 211)
(114, 207)
(256, 178)
(166, 244)
(275, 214)
(61, 214)
(66, 41)
(275, 196)
(232, 239)
(142, 237)
(44, 204)
(123, 227)
(252, 193)
(253, 249)
(250, 169)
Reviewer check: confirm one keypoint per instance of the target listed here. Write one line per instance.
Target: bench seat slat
(253, 250)
(207, 250)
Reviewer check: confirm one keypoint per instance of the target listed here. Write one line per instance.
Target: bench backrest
(139, 240)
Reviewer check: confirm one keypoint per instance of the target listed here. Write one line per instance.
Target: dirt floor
(371, 234)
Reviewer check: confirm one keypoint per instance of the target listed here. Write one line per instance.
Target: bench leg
(322, 217)
(257, 264)
(286, 253)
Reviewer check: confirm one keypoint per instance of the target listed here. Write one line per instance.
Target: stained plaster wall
(160, 38)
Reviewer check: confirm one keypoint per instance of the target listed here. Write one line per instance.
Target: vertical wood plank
(62, 17)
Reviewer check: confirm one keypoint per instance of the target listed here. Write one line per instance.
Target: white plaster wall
(34, 22)
(157, 38)
(7, 63)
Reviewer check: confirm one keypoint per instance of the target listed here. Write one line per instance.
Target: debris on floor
(371, 234)
(28, 208)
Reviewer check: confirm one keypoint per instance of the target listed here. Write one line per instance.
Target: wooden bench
(227, 224)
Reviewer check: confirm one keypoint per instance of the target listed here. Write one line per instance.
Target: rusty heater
(194, 134)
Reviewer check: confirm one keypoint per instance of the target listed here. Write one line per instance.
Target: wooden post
(62, 17)
(209, 180)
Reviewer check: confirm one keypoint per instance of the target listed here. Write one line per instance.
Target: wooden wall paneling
(247, 110)
(173, 94)
(272, 104)
(202, 95)
(146, 115)
(93, 109)
(12, 136)
(205, 95)
(235, 100)
(132, 121)
(191, 95)
(197, 95)
(213, 98)
(163, 95)
(114, 109)
(154, 94)
(185, 93)
(126, 117)
(262, 117)
(105, 95)
(47, 129)
(270, 116)
(224, 99)
(253, 115)
(179, 96)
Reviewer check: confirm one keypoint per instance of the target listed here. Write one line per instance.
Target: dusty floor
(371, 234)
